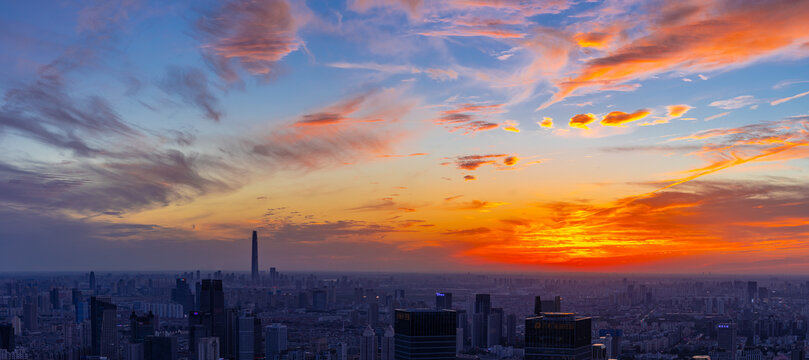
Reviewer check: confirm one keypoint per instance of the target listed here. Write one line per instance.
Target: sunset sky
(410, 135)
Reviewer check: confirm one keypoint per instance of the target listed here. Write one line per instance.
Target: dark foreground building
(425, 334)
(557, 336)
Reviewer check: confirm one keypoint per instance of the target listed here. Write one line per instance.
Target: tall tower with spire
(255, 257)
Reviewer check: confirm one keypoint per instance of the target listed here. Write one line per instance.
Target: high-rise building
(752, 289)
(207, 348)
(558, 336)
(368, 345)
(7, 337)
(212, 301)
(726, 339)
(182, 295)
(160, 348)
(319, 300)
(495, 328)
(254, 268)
(798, 352)
(274, 277)
(92, 282)
(388, 344)
(480, 320)
(141, 326)
(56, 301)
(197, 330)
(425, 334)
(463, 324)
(275, 341)
(541, 306)
(615, 341)
(373, 312)
(134, 351)
(210, 319)
(599, 352)
(443, 301)
(763, 294)
(511, 330)
(245, 337)
(483, 303)
(104, 327)
(30, 315)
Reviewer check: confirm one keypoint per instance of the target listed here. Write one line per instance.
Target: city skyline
(405, 136)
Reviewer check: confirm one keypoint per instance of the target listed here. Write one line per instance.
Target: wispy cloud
(735, 103)
(252, 35)
(789, 98)
(693, 41)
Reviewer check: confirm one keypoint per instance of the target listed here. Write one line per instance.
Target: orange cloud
(481, 205)
(337, 134)
(511, 126)
(465, 118)
(510, 161)
(408, 155)
(592, 39)
(469, 177)
(472, 162)
(581, 121)
(709, 35)
(468, 232)
(490, 108)
(546, 122)
(619, 118)
(675, 111)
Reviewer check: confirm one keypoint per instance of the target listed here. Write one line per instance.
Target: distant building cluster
(303, 316)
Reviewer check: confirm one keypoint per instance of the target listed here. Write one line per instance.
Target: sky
(405, 135)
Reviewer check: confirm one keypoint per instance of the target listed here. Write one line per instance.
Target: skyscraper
(463, 324)
(244, 337)
(255, 258)
(182, 295)
(425, 334)
(541, 306)
(207, 348)
(443, 301)
(141, 326)
(373, 312)
(103, 327)
(92, 282)
(210, 319)
(275, 341)
(6, 337)
(495, 327)
(480, 320)
(388, 344)
(726, 339)
(558, 336)
(368, 345)
(30, 316)
(752, 289)
(511, 330)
